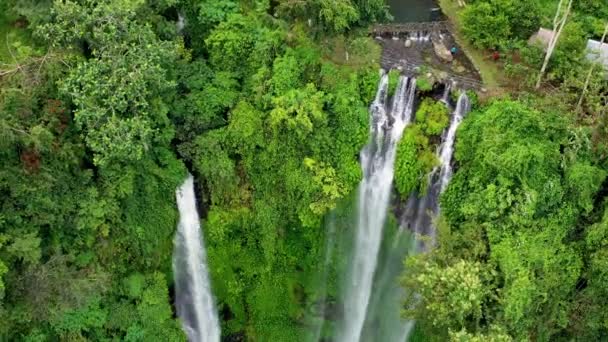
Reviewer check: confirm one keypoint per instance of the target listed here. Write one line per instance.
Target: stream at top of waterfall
(412, 10)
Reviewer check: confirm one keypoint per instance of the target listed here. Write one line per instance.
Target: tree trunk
(558, 21)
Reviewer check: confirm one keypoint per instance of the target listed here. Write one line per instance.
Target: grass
(490, 72)
(356, 52)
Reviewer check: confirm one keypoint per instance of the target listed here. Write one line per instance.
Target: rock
(395, 37)
(408, 43)
(459, 69)
(483, 90)
(441, 51)
(379, 38)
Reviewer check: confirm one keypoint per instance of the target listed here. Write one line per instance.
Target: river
(412, 10)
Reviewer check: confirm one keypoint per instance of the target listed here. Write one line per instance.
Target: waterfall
(420, 36)
(419, 212)
(446, 150)
(181, 23)
(383, 321)
(193, 299)
(420, 220)
(377, 161)
(445, 98)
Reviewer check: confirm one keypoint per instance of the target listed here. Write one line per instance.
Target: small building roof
(542, 37)
(597, 52)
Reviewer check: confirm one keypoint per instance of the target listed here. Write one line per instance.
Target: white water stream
(193, 298)
(377, 160)
(446, 151)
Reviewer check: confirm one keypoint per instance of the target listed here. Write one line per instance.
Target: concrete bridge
(405, 29)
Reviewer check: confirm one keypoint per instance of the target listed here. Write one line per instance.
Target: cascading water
(383, 321)
(419, 212)
(181, 23)
(446, 94)
(193, 299)
(447, 148)
(423, 37)
(424, 209)
(377, 160)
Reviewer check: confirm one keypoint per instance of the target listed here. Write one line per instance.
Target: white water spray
(377, 160)
(446, 151)
(445, 98)
(420, 211)
(193, 299)
(428, 206)
(181, 23)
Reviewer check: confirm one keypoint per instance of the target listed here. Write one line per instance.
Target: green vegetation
(14, 39)
(485, 26)
(521, 221)
(102, 109)
(415, 152)
(493, 23)
(105, 107)
(393, 80)
(489, 72)
(424, 84)
(515, 213)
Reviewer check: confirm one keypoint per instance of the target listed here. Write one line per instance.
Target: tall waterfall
(383, 321)
(446, 150)
(421, 211)
(377, 160)
(193, 299)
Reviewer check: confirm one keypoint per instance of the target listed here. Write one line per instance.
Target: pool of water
(412, 10)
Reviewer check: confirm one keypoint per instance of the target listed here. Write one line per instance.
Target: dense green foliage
(493, 23)
(102, 103)
(516, 235)
(106, 105)
(283, 160)
(416, 150)
(507, 25)
(521, 224)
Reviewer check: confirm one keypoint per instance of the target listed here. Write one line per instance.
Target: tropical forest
(304, 170)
